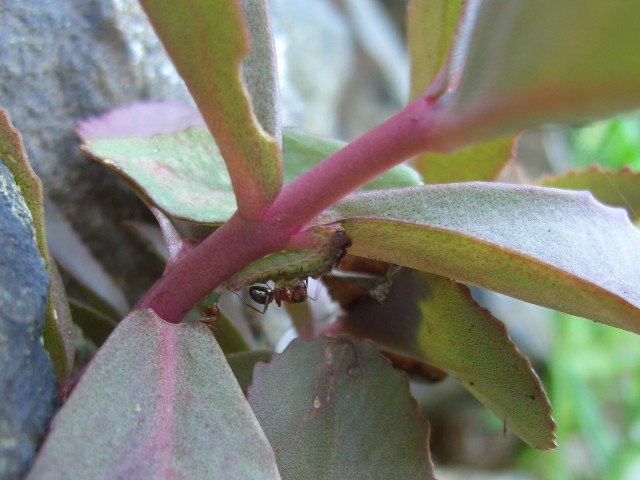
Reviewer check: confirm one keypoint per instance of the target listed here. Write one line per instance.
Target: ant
(265, 295)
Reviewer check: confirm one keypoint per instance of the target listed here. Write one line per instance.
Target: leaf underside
(555, 248)
(434, 319)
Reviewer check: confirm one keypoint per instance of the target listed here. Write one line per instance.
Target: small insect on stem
(265, 295)
(209, 309)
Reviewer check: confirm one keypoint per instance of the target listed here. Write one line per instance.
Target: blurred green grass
(593, 372)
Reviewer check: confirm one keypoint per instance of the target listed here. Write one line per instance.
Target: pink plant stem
(240, 241)
(404, 135)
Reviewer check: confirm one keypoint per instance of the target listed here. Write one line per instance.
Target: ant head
(299, 292)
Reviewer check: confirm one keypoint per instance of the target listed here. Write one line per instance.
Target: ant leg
(248, 304)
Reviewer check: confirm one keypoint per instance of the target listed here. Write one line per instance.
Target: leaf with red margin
(435, 320)
(58, 328)
(335, 408)
(618, 189)
(555, 248)
(183, 174)
(519, 64)
(158, 400)
(207, 41)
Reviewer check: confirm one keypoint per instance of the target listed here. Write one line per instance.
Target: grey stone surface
(27, 386)
(65, 60)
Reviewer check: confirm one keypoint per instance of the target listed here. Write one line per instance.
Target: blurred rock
(66, 60)
(315, 51)
(27, 386)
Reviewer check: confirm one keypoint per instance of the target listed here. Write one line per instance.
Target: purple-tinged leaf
(551, 247)
(335, 408)
(58, 333)
(435, 320)
(183, 173)
(618, 189)
(140, 120)
(157, 401)
(208, 41)
(522, 63)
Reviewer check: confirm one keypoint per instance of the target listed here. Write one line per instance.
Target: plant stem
(396, 140)
(240, 241)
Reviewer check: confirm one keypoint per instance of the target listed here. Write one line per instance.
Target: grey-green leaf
(335, 408)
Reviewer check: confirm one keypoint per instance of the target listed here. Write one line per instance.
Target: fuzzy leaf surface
(523, 63)
(184, 175)
(618, 189)
(157, 401)
(435, 319)
(209, 55)
(348, 414)
(556, 248)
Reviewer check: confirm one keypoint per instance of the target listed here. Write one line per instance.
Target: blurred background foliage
(592, 372)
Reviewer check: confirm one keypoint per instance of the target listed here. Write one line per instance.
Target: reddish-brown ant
(265, 295)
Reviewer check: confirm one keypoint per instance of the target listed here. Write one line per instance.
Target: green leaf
(95, 325)
(303, 150)
(207, 41)
(157, 401)
(260, 71)
(58, 333)
(242, 364)
(618, 189)
(430, 28)
(551, 247)
(228, 336)
(335, 408)
(325, 246)
(481, 162)
(441, 324)
(184, 175)
(181, 173)
(523, 63)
